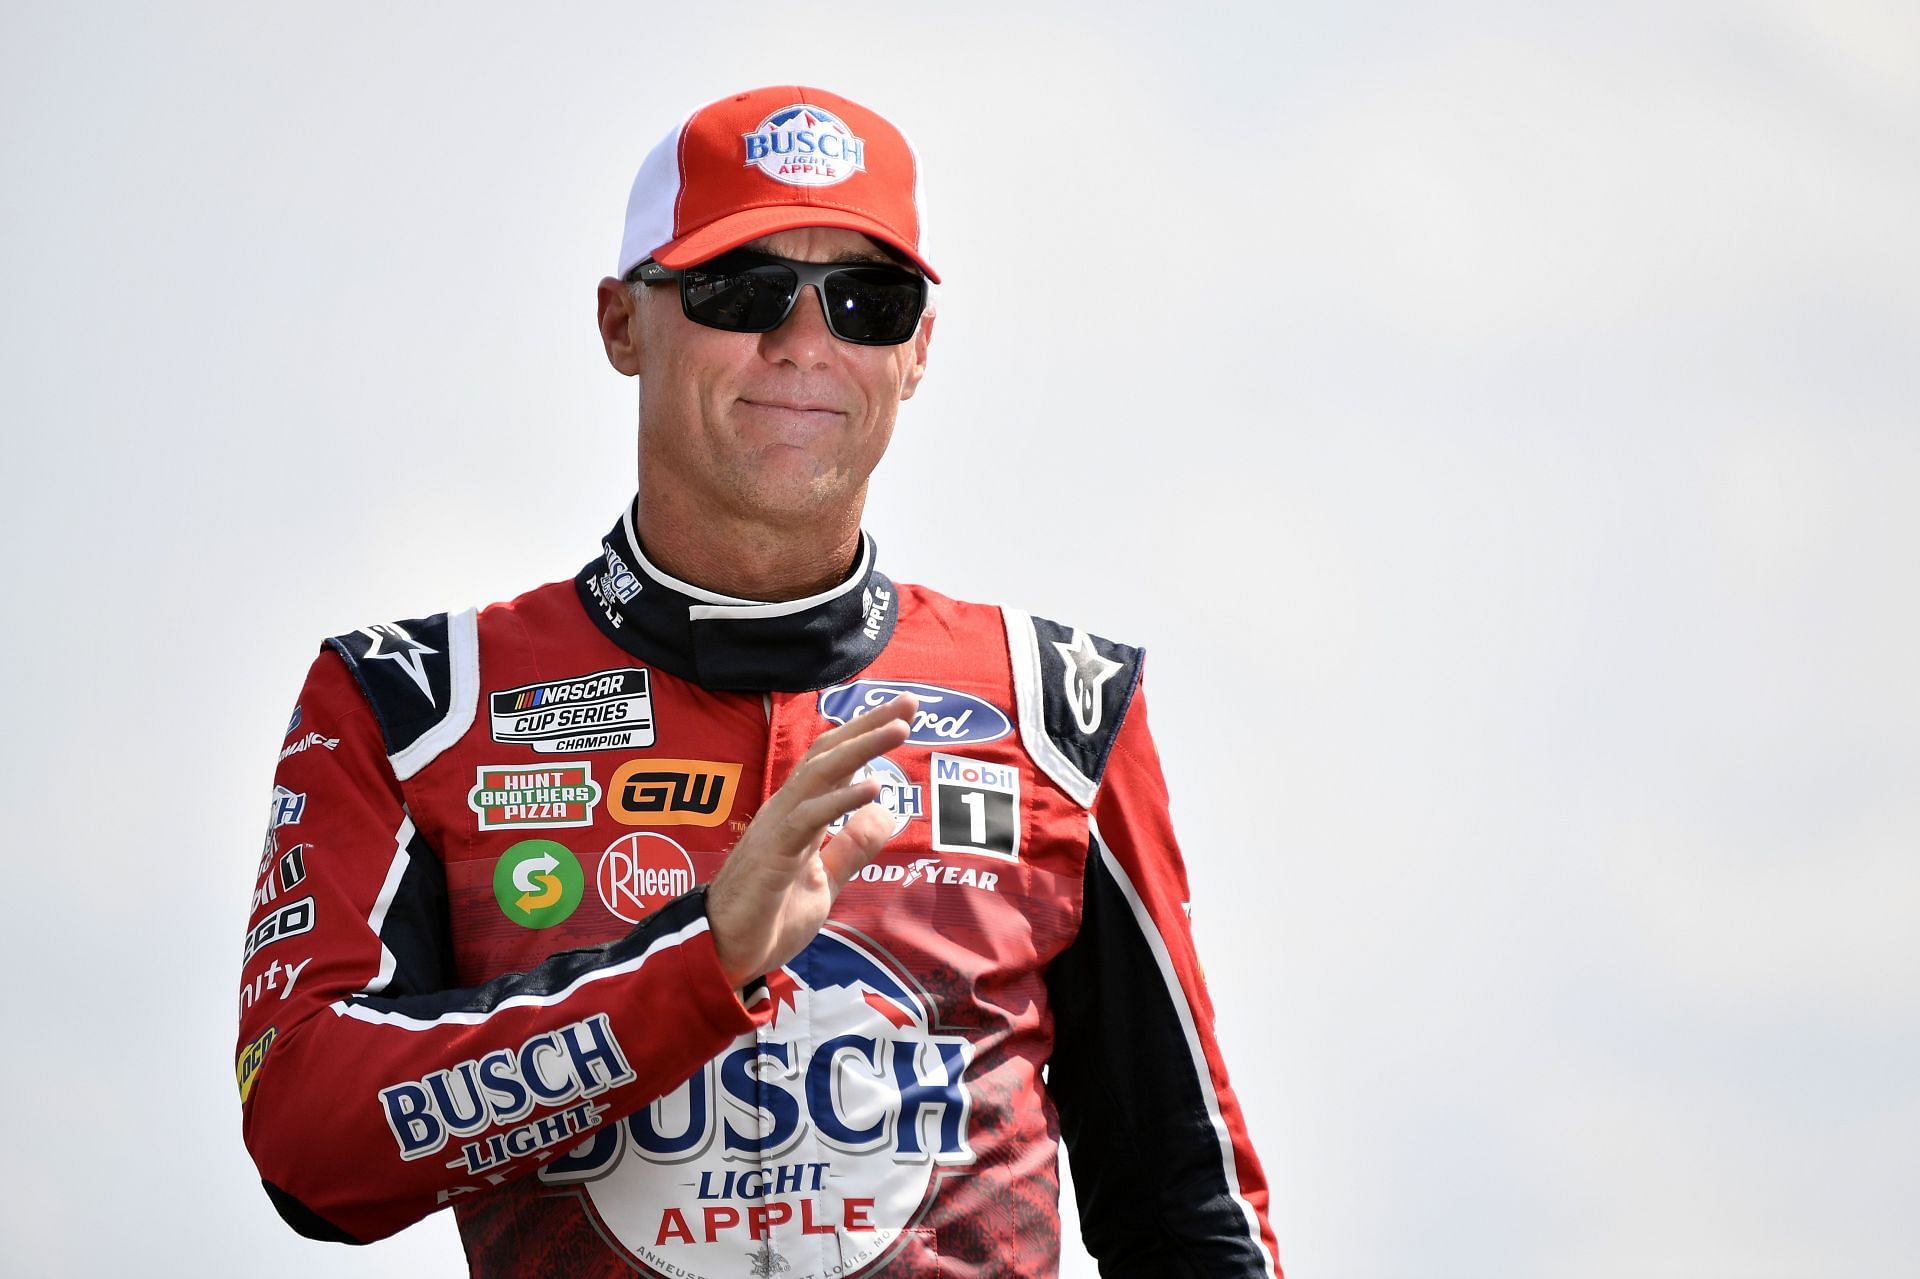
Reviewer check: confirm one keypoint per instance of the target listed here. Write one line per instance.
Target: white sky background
(1499, 425)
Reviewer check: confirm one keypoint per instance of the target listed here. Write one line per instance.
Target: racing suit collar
(720, 642)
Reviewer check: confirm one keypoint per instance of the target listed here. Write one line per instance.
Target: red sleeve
(1166, 1176)
(371, 1092)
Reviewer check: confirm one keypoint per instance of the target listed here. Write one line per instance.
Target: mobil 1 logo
(976, 807)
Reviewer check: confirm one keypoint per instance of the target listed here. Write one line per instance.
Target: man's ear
(918, 368)
(617, 313)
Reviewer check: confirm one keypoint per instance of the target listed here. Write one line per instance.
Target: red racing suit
(478, 969)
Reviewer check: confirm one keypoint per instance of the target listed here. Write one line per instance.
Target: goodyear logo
(672, 792)
(248, 1066)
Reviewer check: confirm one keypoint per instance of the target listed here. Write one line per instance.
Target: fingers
(837, 756)
(835, 765)
(858, 843)
(901, 708)
(818, 812)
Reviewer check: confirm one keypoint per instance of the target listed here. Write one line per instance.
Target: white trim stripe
(712, 604)
(1158, 945)
(360, 1012)
(377, 917)
(1030, 702)
(463, 659)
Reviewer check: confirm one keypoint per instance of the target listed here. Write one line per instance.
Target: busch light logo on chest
(945, 717)
(804, 146)
(825, 1129)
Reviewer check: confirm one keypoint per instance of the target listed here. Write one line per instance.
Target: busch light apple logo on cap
(805, 147)
(944, 717)
(820, 1136)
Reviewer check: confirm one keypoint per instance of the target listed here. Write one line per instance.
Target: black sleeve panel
(1143, 1147)
(552, 975)
(415, 930)
(304, 1220)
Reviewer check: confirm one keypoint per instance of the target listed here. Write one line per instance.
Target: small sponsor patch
(248, 1065)
(928, 872)
(899, 798)
(640, 873)
(1084, 673)
(292, 873)
(976, 807)
(672, 792)
(514, 796)
(618, 582)
(287, 807)
(290, 920)
(873, 607)
(944, 716)
(538, 883)
(608, 710)
(309, 742)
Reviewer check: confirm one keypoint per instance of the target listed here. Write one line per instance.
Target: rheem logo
(640, 873)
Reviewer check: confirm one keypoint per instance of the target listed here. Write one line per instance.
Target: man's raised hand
(773, 892)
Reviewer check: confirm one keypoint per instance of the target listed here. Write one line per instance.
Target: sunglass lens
(877, 306)
(746, 297)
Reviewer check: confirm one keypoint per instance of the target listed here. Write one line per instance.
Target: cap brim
(736, 229)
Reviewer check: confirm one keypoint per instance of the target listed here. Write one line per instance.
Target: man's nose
(803, 338)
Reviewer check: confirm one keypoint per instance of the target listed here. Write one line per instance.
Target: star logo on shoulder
(391, 643)
(1086, 672)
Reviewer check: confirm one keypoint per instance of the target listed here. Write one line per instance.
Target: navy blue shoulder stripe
(1073, 689)
(421, 676)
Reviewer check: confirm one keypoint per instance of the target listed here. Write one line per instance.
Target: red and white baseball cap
(771, 160)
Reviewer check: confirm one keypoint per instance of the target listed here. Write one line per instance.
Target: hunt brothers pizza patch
(519, 797)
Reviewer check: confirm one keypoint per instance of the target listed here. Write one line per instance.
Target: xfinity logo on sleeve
(945, 717)
(608, 710)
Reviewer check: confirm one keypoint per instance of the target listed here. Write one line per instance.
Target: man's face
(777, 427)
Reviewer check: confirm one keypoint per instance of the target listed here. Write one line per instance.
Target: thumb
(858, 843)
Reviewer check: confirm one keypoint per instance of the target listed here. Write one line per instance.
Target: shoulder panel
(422, 678)
(1072, 689)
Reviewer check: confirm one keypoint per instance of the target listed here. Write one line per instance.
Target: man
(729, 909)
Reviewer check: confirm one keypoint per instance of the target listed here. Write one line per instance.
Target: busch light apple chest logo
(810, 1147)
(805, 147)
(945, 717)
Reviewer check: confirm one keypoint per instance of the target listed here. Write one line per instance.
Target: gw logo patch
(672, 792)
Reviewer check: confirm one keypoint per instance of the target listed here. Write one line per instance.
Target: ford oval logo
(944, 718)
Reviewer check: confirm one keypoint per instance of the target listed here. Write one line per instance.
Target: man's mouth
(791, 406)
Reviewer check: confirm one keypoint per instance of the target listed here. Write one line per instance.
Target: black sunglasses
(866, 303)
